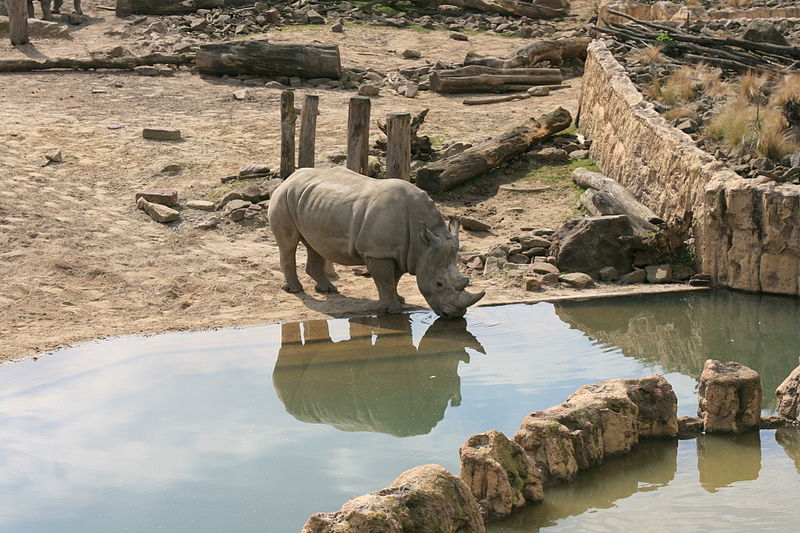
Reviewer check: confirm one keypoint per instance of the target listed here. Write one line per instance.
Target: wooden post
(18, 21)
(288, 119)
(308, 131)
(398, 146)
(358, 134)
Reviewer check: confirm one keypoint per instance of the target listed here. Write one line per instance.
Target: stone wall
(747, 232)
(672, 11)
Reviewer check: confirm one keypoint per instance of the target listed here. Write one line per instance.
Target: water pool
(255, 429)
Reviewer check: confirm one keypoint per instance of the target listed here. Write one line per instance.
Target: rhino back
(346, 216)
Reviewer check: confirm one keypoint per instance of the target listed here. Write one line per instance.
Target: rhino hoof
(292, 288)
(391, 309)
(326, 289)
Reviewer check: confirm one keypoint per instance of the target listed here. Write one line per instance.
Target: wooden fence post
(288, 120)
(358, 134)
(308, 131)
(398, 146)
(18, 21)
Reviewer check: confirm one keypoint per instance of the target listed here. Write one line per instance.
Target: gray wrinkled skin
(389, 225)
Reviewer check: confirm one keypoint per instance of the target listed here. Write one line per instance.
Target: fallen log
(267, 59)
(605, 196)
(554, 51)
(175, 7)
(512, 97)
(518, 8)
(457, 169)
(476, 70)
(489, 82)
(119, 63)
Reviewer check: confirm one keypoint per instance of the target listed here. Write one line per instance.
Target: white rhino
(388, 225)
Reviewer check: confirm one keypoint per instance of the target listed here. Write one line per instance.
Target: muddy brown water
(255, 429)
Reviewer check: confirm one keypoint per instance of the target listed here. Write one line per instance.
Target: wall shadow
(376, 380)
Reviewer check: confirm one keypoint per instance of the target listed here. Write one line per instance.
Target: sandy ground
(77, 259)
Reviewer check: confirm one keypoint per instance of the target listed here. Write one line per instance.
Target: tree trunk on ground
(120, 63)
(174, 7)
(605, 196)
(519, 8)
(441, 82)
(555, 51)
(455, 170)
(17, 21)
(265, 59)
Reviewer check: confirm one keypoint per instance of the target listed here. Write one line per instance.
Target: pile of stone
(226, 22)
(251, 201)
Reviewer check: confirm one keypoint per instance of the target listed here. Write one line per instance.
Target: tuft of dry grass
(649, 55)
(733, 124)
(683, 111)
(679, 87)
(774, 137)
(751, 86)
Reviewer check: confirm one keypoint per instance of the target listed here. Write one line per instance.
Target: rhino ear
(454, 224)
(427, 236)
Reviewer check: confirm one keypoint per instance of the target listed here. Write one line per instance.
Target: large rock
(788, 394)
(599, 420)
(499, 473)
(590, 243)
(729, 397)
(761, 31)
(425, 499)
(159, 213)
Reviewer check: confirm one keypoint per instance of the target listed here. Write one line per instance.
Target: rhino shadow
(375, 381)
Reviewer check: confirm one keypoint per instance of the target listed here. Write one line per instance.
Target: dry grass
(787, 91)
(774, 138)
(649, 55)
(751, 87)
(738, 3)
(710, 80)
(734, 124)
(683, 111)
(747, 128)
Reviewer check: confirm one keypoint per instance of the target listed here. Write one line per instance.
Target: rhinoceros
(388, 225)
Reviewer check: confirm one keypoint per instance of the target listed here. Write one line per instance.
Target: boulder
(608, 273)
(368, 89)
(533, 283)
(761, 31)
(544, 268)
(599, 420)
(499, 473)
(659, 273)
(788, 394)
(590, 243)
(577, 279)
(689, 427)
(425, 499)
(729, 397)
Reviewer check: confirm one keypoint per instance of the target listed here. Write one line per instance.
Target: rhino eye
(439, 284)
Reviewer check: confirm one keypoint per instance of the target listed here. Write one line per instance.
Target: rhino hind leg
(287, 237)
(384, 273)
(316, 267)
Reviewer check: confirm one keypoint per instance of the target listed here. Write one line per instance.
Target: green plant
(665, 38)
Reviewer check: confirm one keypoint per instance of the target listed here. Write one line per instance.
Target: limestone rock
(577, 279)
(544, 268)
(161, 134)
(729, 397)
(539, 91)
(637, 276)
(473, 224)
(54, 156)
(458, 36)
(168, 197)
(253, 171)
(411, 54)
(659, 273)
(209, 223)
(601, 419)
(608, 273)
(368, 89)
(533, 283)
(689, 427)
(425, 499)
(788, 394)
(761, 31)
(200, 205)
(499, 473)
(590, 243)
(159, 213)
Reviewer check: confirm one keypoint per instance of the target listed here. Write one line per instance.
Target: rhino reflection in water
(389, 386)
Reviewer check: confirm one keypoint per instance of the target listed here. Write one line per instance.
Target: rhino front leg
(384, 273)
(287, 237)
(316, 267)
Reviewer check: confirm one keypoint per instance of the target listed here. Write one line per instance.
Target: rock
(794, 159)
(314, 17)
(368, 89)
(241, 94)
(682, 272)
(551, 278)
(700, 280)
(608, 273)
(499, 251)
(773, 422)
(412, 90)
(729, 397)
(499, 473)
(532, 242)
(458, 36)
(274, 85)
(689, 427)
(209, 223)
(427, 499)
(761, 31)
(659, 273)
(295, 82)
(252, 193)
(493, 265)
(253, 171)
(337, 28)
(269, 186)
(158, 212)
(229, 197)
(599, 420)
(171, 168)
(233, 205)
(636, 276)
(473, 224)
(409, 53)
(543, 267)
(687, 125)
(577, 155)
(788, 394)
(533, 284)
(519, 259)
(451, 10)
(200, 205)
(591, 243)
(548, 154)
(54, 156)
(168, 197)
(476, 263)
(577, 279)
(161, 134)
(272, 15)
(543, 232)
(539, 91)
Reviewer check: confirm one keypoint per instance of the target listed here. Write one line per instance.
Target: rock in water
(729, 397)
(788, 394)
(425, 499)
(599, 420)
(499, 473)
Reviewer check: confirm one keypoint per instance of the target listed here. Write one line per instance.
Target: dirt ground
(77, 259)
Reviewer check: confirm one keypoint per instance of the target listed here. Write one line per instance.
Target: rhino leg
(287, 237)
(384, 273)
(316, 268)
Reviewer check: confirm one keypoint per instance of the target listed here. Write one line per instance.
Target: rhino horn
(469, 299)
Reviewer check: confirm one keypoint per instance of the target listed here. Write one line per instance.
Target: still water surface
(253, 430)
